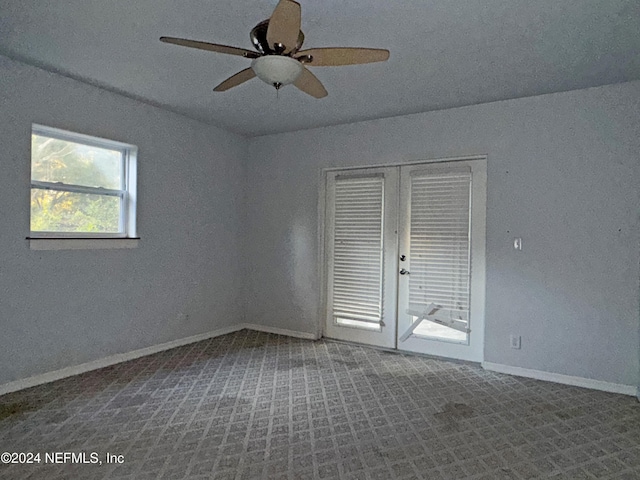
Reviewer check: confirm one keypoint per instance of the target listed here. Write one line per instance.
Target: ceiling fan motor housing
(259, 39)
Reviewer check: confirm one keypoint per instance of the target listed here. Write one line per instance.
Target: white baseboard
(124, 357)
(560, 378)
(111, 360)
(280, 331)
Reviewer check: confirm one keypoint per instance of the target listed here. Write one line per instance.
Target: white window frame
(126, 193)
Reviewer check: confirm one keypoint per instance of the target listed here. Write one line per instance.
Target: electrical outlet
(516, 342)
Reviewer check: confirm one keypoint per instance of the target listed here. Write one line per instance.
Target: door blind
(357, 249)
(439, 243)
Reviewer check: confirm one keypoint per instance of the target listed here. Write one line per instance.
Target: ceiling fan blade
(333, 57)
(235, 80)
(212, 47)
(309, 84)
(284, 25)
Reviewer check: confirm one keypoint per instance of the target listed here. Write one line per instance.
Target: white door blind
(357, 249)
(439, 241)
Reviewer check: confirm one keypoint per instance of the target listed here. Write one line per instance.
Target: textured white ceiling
(444, 53)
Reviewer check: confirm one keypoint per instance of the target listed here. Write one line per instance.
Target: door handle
(404, 272)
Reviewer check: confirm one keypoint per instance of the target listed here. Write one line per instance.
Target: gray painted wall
(229, 224)
(63, 308)
(563, 174)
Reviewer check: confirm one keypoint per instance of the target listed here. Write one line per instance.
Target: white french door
(405, 251)
(362, 217)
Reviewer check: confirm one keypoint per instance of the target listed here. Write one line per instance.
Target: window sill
(81, 243)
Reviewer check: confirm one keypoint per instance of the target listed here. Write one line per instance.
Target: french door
(404, 253)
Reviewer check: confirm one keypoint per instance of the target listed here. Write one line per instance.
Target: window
(81, 186)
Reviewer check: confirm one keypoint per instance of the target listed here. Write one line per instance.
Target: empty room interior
(292, 240)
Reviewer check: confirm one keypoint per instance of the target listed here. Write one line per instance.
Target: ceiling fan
(279, 60)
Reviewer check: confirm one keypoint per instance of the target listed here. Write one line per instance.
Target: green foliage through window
(58, 167)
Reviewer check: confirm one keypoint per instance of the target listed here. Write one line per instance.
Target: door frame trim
(322, 212)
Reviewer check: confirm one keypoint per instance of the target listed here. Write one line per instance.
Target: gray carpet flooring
(252, 405)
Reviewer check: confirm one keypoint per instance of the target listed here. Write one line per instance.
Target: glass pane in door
(357, 252)
(439, 252)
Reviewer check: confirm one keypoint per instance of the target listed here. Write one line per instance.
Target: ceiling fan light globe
(277, 69)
